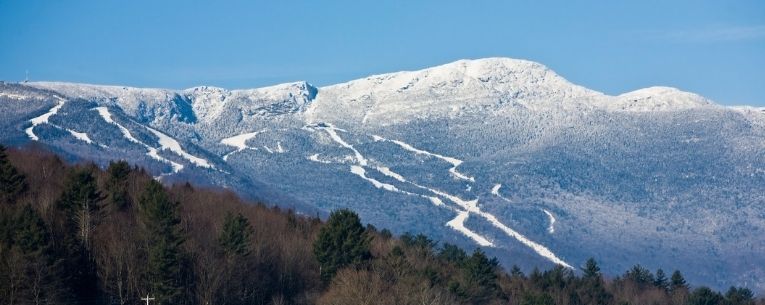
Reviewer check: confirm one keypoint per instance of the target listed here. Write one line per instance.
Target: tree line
(79, 234)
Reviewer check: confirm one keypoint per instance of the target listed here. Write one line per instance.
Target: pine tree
(159, 216)
(12, 183)
(80, 204)
(677, 281)
(341, 242)
(235, 237)
(116, 185)
(591, 269)
(739, 296)
(705, 296)
(640, 275)
(479, 269)
(40, 273)
(661, 280)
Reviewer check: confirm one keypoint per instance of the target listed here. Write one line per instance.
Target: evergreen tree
(341, 242)
(116, 184)
(705, 296)
(480, 270)
(12, 183)
(40, 275)
(79, 203)
(677, 281)
(739, 296)
(661, 280)
(640, 275)
(452, 253)
(591, 269)
(516, 272)
(531, 298)
(235, 237)
(159, 216)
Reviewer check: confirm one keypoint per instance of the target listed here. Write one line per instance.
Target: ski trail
(332, 132)
(80, 136)
(495, 191)
(458, 223)
(453, 161)
(550, 229)
(239, 142)
(43, 119)
(361, 172)
(168, 143)
(151, 151)
(315, 158)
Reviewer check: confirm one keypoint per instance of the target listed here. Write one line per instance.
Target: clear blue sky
(715, 48)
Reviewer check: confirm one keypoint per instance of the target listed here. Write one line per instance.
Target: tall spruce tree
(660, 280)
(341, 242)
(591, 269)
(12, 183)
(80, 204)
(677, 281)
(160, 219)
(116, 184)
(235, 236)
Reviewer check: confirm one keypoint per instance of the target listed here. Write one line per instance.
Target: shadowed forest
(80, 234)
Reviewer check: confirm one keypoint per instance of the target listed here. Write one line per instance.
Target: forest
(81, 234)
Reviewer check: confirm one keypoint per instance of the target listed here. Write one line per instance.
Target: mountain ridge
(663, 177)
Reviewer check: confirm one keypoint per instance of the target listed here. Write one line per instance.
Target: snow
(359, 171)
(239, 142)
(168, 143)
(80, 136)
(656, 99)
(495, 189)
(151, 151)
(315, 158)
(388, 172)
(332, 132)
(458, 223)
(43, 119)
(107, 116)
(453, 161)
(551, 228)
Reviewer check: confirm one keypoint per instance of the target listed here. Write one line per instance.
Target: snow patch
(551, 228)
(80, 136)
(43, 119)
(168, 143)
(458, 223)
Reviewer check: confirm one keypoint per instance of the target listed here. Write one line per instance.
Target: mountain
(498, 153)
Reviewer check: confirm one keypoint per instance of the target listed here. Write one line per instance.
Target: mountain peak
(659, 98)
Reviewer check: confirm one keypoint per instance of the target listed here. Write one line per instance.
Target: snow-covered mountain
(498, 153)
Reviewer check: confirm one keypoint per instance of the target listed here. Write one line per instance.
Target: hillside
(499, 153)
(79, 234)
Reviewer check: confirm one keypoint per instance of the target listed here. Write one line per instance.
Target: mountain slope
(499, 153)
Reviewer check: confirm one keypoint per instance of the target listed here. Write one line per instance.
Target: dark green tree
(591, 269)
(705, 296)
(480, 270)
(739, 296)
(532, 298)
(116, 184)
(341, 242)
(452, 253)
(677, 281)
(640, 275)
(38, 271)
(236, 234)
(160, 219)
(12, 183)
(80, 204)
(661, 281)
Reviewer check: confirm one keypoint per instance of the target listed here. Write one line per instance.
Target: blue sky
(715, 48)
